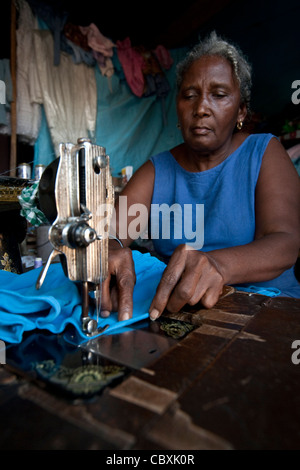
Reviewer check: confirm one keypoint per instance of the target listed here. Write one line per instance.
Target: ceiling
(173, 24)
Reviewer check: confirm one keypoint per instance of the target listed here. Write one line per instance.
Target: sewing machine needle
(98, 301)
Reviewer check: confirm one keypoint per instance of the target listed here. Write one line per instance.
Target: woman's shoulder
(276, 156)
(161, 156)
(252, 140)
(252, 147)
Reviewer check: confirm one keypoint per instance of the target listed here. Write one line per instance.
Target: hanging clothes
(68, 93)
(105, 64)
(130, 128)
(97, 41)
(155, 79)
(156, 82)
(6, 96)
(75, 43)
(28, 112)
(77, 54)
(102, 48)
(164, 57)
(74, 34)
(55, 17)
(132, 62)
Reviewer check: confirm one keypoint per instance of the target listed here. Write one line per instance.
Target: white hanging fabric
(68, 92)
(28, 112)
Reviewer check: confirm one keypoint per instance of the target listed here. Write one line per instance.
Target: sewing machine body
(84, 200)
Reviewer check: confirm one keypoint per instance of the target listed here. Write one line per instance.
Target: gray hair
(215, 45)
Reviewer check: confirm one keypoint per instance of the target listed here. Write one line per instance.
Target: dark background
(268, 32)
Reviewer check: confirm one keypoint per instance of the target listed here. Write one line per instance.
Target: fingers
(106, 302)
(119, 297)
(169, 280)
(211, 297)
(189, 278)
(125, 285)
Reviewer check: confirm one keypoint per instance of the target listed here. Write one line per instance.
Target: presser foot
(90, 327)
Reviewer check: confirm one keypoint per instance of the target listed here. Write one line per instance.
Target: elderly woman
(245, 184)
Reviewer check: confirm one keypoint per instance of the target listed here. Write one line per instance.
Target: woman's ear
(242, 112)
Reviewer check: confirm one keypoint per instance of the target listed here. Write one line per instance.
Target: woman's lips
(201, 130)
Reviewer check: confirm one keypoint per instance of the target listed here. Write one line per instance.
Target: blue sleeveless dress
(212, 209)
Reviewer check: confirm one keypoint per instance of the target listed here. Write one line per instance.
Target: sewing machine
(76, 194)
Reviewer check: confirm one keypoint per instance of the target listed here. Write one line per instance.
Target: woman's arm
(277, 236)
(133, 205)
(117, 289)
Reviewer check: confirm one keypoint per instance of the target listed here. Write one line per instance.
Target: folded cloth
(58, 303)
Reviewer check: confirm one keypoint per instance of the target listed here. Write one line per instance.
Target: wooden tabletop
(232, 382)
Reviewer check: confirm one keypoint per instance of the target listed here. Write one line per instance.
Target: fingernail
(105, 313)
(125, 316)
(154, 314)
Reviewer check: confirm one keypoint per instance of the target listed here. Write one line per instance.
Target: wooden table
(230, 383)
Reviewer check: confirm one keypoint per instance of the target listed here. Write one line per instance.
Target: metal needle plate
(135, 349)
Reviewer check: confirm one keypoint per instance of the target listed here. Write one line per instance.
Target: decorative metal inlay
(80, 381)
(176, 329)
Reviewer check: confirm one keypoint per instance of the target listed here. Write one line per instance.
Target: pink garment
(97, 41)
(163, 57)
(132, 63)
(294, 152)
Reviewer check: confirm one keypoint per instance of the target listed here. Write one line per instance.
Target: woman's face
(208, 104)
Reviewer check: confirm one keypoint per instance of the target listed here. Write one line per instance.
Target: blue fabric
(268, 291)
(227, 193)
(44, 152)
(58, 303)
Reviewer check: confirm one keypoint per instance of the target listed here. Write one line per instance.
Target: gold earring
(239, 125)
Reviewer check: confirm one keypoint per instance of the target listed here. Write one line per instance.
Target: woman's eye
(219, 95)
(189, 96)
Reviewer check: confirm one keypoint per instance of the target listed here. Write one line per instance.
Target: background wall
(268, 32)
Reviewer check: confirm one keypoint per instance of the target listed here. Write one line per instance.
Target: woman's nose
(201, 107)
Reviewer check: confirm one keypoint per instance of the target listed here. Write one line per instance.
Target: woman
(246, 184)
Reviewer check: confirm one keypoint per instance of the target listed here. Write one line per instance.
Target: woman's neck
(197, 161)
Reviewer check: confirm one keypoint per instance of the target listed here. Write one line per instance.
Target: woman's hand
(190, 276)
(117, 289)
